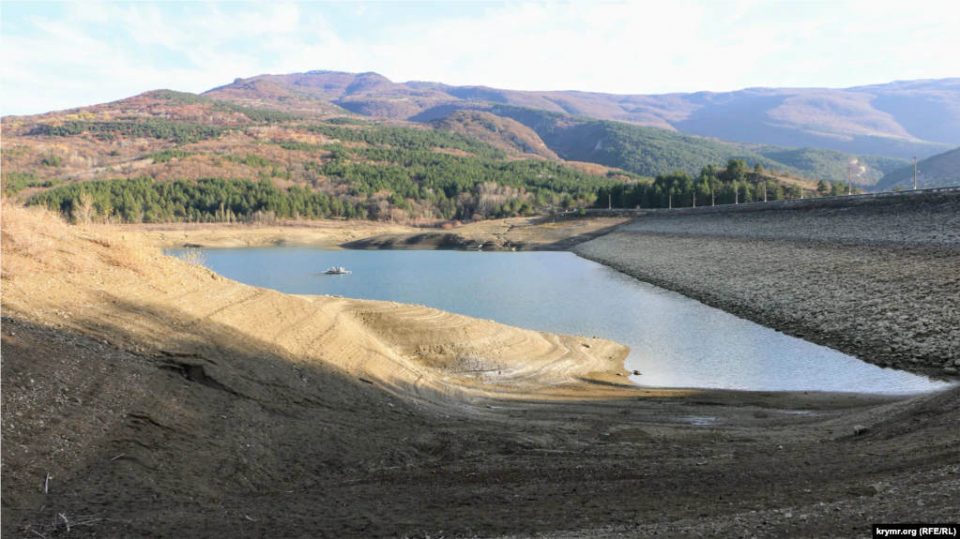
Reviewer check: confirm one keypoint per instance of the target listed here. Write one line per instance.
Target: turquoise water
(674, 341)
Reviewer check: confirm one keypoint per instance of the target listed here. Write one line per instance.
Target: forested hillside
(942, 170)
(651, 151)
(154, 160)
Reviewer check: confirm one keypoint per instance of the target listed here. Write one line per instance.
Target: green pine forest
(451, 187)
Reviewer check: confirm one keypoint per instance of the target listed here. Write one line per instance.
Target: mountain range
(899, 119)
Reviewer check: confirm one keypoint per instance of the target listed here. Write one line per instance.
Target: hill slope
(501, 132)
(941, 170)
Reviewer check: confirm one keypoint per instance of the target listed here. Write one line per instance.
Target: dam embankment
(877, 279)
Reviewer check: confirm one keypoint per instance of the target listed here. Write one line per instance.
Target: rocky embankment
(878, 280)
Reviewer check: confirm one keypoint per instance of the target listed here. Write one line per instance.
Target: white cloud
(95, 52)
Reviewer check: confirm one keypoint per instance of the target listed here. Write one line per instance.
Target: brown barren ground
(328, 234)
(143, 396)
(518, 234)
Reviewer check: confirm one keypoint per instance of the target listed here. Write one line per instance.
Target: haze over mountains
(898, 119)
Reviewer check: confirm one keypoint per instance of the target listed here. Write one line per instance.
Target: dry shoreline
(167, 401)
(519, 233)
(327, 234)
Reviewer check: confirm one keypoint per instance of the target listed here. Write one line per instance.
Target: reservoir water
(674, 341)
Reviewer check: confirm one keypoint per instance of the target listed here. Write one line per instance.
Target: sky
(61, 55)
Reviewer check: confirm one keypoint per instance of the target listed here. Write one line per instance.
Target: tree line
(206, 200)
(377, 193)
(425, 185)
(733, 184)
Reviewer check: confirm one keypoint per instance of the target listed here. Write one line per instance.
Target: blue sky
(61, 55)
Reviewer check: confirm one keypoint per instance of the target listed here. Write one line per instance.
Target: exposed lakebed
(674, 341)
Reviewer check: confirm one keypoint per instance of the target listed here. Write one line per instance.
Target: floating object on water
(337, 270)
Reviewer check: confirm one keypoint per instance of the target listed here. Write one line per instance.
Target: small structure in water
(336, 270)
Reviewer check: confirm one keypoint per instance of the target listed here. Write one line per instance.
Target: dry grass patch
(36, 239)
(28, 231)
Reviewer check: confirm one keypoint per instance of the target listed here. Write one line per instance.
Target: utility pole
(914, 173)
(609, 201)
(694, 198)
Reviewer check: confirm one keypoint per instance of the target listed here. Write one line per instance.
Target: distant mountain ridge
(898, 119)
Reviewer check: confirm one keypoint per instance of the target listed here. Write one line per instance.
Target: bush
(51, 161)
(194, 257)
